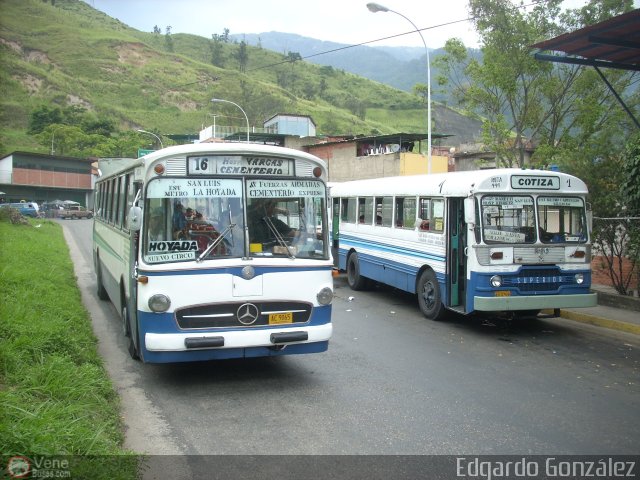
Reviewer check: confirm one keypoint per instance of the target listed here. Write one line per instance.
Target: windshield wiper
(216, 242)
(278, 236)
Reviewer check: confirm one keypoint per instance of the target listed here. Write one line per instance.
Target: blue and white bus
(214, 251)
(503, 240)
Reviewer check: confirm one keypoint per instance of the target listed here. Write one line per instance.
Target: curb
(598, 321)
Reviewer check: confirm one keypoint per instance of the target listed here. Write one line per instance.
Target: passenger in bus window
(422, 224)
(156, 227)
(260, 217)
(179, 221)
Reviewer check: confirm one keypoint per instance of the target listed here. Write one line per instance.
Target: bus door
(456, 259)
(335, 233)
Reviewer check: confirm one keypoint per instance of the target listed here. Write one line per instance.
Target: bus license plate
(503, 293)
(279, 318)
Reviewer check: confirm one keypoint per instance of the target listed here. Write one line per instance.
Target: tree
(422, 91)
(242, 56)
(168, 40)
(631, 192)
(217, 51)
(520, 98)
(42, 117)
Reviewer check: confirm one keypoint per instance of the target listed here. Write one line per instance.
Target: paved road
(391, 383)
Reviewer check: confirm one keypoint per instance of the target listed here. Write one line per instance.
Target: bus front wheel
(429, 297)
(355, 280)
(128, 333)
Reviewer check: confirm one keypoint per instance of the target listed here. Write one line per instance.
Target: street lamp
(219, 100)
(151, 133)
(376, 7)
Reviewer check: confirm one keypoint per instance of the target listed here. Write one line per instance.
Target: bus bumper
(183, 342)
(534, 302)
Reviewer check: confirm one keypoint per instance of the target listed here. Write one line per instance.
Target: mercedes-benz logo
(248, 272)
(248, 314)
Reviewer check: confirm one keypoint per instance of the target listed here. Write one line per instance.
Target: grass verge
(56, 398)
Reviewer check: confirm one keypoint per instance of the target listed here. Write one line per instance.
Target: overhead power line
(536, 2)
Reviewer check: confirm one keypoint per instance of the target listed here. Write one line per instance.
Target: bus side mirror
(469, 211)
(134, 219)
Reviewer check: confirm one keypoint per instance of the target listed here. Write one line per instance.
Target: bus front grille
(243, 314)
(538, 280)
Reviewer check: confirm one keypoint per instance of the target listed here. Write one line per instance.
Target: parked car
(27, 209)
(75, 211)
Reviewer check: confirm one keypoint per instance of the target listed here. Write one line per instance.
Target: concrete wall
(344, 165)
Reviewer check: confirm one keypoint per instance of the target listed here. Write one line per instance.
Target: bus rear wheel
(354, 279)
(429, 298)
(100, 290)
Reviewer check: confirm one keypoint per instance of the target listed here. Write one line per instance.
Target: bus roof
(462, 184)
(115, 166)
(231, 148)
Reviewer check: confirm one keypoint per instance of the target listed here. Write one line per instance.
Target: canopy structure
(613, 43)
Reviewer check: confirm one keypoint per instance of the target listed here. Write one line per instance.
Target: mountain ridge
(74, 55)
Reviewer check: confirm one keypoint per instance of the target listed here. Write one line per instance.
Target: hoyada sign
(169, 246)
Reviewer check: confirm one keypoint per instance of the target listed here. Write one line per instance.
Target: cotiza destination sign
(239, 165)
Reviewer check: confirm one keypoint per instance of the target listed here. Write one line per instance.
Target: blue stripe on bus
(166, 323)
(397, 274)
(357, 242)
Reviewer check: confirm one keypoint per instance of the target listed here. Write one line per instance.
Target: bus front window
(292, 225)
(508, 219)
(562, 219)
(184, 219)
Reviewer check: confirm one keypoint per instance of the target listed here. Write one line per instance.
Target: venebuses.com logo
(20, 466)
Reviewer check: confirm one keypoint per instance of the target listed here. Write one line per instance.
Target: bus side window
(405, 212)
(424, 213)
(361, 209)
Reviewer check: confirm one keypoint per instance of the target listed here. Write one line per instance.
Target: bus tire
(126, 329)
(429, 298)
(100, 291)
(354, 279)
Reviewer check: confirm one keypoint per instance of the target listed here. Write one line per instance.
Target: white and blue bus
(503, 240)
(213, 251)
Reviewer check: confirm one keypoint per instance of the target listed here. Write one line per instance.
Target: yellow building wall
(416, 164)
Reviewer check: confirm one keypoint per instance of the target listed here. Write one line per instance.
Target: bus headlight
(159, 303)
(496, 281)
(579, 278)
(325, 296)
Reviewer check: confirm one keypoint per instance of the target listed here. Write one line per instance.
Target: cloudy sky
(342, 21)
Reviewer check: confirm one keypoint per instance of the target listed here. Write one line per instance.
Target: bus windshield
(562, 219)
(508, 219)
(512, 219)
(205, 219)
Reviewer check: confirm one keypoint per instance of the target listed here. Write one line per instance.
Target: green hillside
(69, 54)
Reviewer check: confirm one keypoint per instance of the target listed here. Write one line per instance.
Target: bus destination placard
(533, 182)
(239, 165)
